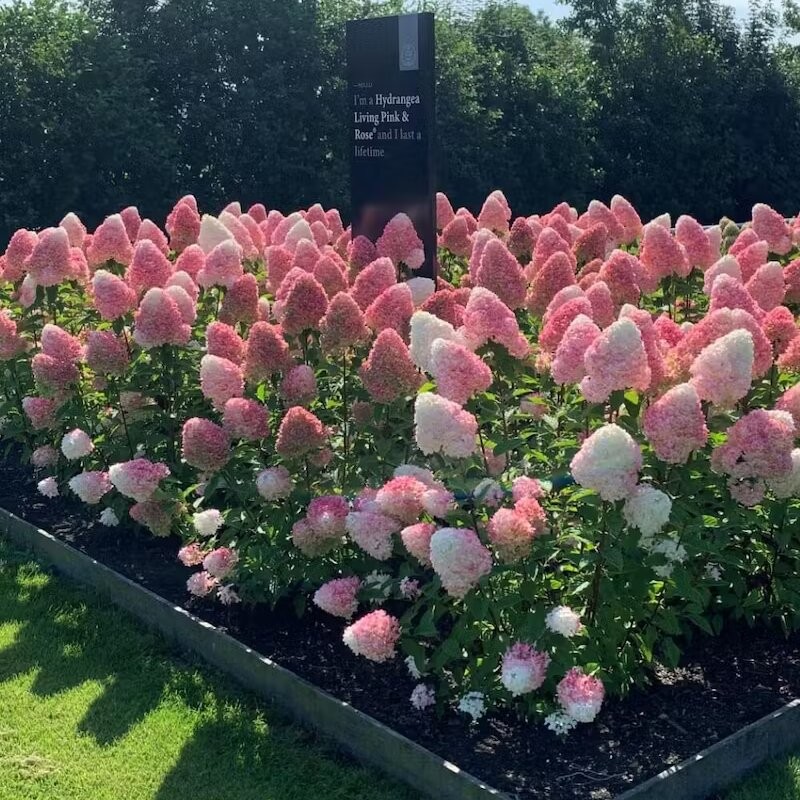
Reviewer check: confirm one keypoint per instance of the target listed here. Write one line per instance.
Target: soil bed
(722, 685)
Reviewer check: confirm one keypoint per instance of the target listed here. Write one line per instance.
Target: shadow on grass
(237, 750)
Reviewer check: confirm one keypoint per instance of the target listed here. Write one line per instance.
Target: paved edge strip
(727, 761)
(367, 740)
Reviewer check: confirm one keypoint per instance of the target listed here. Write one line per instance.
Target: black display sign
(390, 71)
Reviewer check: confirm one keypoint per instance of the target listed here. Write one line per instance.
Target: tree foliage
(673, 103)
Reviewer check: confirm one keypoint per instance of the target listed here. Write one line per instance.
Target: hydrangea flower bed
(530, 481)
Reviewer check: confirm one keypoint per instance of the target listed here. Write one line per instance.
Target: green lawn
(94, 707)
(779, 780)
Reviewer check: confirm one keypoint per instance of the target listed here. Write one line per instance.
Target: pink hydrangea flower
(627, 217)
(191, 555)
(401, 497)
(621, 273)
(51, 375)
(131, 219)
(372, 532)
(444, 211)
(219, 563)
(780, 328)
(388, 373)
(417, 540)
(400, 243)
(456, 237)
(183, 224)
(90, 486)
(751, 258)
(223, 265)
(274, 483)
(372, 281)
(608, 462)
(106, 353)
(568, 364)
(343, 325)
(791, 276)
(240, 303)
(303, 305)
(373, 636)
(137, 479)
(49, 262)
(487, 318)
(20, 246)
(245, 419)
(220, 380)
(767, 286)
(790, 401)
(522, 238)
(330, 275)
(524, 668)
(110, 242)
(723, 371)
(223, 341)
(206, 446)
(191, 261)
(556, 273)
(458, 372)
(339, 597)
(548, 243)
(44, 456)
(675, 424)
(300, 433)
(266, 352)
(158, 321)
(391, 309)
(501, 273)
(616, 359)
(511, 533)
(558, 321)
(76, 444)
(40, 411)
(580, 695)
(698, 245)
(459, 559)
(495, 213)
(58, 344)
(201, 584)
(770, 226)
(112, 296)
(661, 254)
(361, 252)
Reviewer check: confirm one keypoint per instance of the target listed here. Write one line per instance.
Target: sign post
(391, 78)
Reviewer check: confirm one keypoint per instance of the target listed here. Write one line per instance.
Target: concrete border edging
(726, 761)
(369, 741)
(366, 739)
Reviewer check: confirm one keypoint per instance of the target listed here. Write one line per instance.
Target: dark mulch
(723, 684)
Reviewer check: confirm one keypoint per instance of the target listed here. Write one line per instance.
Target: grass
(95, 707)
(778, 780)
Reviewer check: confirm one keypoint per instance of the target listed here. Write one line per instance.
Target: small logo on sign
(408, 57)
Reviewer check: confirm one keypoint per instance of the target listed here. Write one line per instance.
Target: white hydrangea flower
(673, 551)
(48, 487)
(560, 723)
(109, 518)
(208, 522)
(212, 233)
(563, 620)
(647, 509)
(423, 697)
(426, 328)
(489, 493)
(76, 444)
(413, 670)
(713, 572)
(474, 704)
(421, 290)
